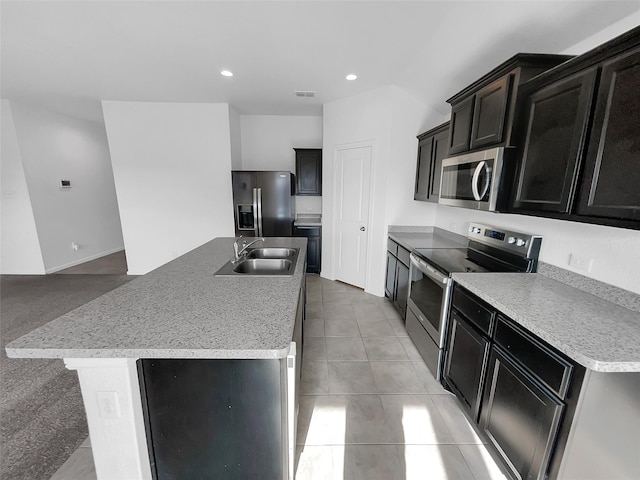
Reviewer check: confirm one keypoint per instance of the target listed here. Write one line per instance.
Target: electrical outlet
(580, 263)
(74, 246)
(108, 404)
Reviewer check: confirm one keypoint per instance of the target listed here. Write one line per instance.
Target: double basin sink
(263, 261)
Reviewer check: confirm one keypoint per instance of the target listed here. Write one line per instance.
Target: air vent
(305, 93)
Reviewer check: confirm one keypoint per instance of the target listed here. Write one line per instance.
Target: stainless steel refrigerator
(263, 203)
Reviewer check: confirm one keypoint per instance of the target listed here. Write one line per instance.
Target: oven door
(428, 302)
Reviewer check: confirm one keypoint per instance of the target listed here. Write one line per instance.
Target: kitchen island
(179, 311)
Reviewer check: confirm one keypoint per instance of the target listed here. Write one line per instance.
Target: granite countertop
(180, 310)
(308, 220)
(598, 334)
(436, 238)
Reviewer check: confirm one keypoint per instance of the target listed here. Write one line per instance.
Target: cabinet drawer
(392, 247)
(308, 231)
(403, 256)
(549, 367)
(474, 310)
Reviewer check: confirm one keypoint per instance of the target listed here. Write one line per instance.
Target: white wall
(19, 238)
(236, 138)
(55, 147)
(390, 119)
(172, 168)
(268, 140)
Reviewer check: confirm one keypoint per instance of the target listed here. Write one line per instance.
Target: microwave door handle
(260, 212)
(474, 181)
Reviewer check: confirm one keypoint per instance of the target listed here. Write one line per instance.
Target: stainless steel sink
(263, 261)
(272, 252)
(264, 266)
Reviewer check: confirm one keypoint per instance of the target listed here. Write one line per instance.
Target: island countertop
(596, 333)
(180, 310)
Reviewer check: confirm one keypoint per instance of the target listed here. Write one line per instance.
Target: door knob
(362, 229)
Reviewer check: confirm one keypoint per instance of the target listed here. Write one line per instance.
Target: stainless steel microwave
(472, 180)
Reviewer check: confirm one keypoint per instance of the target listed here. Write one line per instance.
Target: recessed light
(226, 73)
(351, 76)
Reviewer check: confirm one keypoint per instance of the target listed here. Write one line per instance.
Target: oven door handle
(429, 271)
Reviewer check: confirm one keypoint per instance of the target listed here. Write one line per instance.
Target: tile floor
(369, 407)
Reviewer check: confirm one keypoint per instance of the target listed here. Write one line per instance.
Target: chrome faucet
(237, 250)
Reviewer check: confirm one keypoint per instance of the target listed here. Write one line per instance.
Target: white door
(353, 176)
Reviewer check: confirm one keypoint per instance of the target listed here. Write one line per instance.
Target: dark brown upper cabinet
(579, 135)
(611, 184)
(482, 114)
(432, 149)
(308, 171)
(556, 126)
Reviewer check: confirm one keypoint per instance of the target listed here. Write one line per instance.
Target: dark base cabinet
(520, 418)
(397, 280)
(520, 393)
(215, 418)
(314, 246)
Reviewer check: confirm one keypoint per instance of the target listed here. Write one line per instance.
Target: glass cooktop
(449, 260)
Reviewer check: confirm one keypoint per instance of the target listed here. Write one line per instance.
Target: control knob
(520, 242)
(477, 230)
(511, 240)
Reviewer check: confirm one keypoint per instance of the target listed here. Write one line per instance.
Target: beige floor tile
(396, 377)
(398, 325)
(431, 385)
(375, 327)
(86, 443)
(373, 462)
(461, 430)
(384, 348)
(315, 462)
(365, 311)
(341, 327)
(435, 462)
(314, 327)
(480, 462)
(410, 349)
(79, 466)
(322, 420)
(337, 310)
(314, 349)
(351, 377)
(336, 298)
(418, 417)
(314, 310)
(314, 378)
(345, 348)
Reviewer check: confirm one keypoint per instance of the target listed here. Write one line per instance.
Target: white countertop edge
(149, 353)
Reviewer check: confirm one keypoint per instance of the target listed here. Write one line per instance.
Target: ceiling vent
(305, 93)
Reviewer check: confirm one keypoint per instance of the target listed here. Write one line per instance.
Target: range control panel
(524, 244)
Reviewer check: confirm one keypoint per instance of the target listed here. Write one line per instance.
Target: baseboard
(82, 260)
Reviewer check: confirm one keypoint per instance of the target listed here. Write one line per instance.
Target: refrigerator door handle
(255, 212)
(259, 212)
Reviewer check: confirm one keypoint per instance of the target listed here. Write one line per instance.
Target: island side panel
(112, 402)
(215, 418)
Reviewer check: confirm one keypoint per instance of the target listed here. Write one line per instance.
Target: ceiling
(70, 55)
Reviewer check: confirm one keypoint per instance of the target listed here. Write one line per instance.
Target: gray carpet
(42, 419)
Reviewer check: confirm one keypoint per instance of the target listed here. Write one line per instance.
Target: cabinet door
(313, 254)
(489, 113)
(555, 134)
(390, 283)
(423, 169)
(519, 417)
(440, 151)
(402, 287)
(309, 171)
(467, 353)
(611, 181)
(460, 134)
